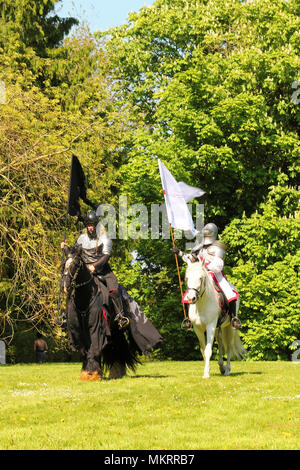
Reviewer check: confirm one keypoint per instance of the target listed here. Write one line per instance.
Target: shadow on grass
(108, 379)
(149, 376)
(236, 374)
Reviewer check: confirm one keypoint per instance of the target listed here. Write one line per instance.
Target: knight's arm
(106, 251)
(216, 265)
(101, 261)
(65, 248)
(214, 258)
(187, 258)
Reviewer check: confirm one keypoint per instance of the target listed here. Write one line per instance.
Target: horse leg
(91, 369)
(79, 338)
(84, 372)
(227, 370)
(227, 335)
(221, 351)
(201, 338)
(210, 334)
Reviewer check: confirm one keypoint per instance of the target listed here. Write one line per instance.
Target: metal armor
(210, 233)
(213, 256)
(217, 248)
(93, 248)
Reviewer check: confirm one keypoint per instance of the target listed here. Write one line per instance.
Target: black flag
(77, 189)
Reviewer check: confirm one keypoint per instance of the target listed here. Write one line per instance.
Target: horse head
(195, 278)
(73, 265)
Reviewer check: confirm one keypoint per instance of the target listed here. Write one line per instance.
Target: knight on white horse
(212, 252)
(204, 314)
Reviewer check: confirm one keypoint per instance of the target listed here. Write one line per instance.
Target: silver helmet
(210, 233)
(91, 219)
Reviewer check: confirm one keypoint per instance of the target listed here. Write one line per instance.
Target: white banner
(176, 197)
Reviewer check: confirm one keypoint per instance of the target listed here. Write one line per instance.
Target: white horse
(204, 311)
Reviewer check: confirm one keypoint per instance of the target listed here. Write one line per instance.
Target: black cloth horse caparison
(89, 324)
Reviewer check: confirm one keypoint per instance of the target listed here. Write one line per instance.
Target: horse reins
(74, 277)
(198, 291)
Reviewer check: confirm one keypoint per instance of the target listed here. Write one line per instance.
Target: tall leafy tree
(264, 252)
(33, 24)
(54, 106)
(213, 82)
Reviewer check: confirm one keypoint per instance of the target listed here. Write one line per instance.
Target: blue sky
(100, 14)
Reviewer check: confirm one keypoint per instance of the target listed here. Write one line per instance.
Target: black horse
(90, 325)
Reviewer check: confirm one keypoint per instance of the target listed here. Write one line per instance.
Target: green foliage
(215, 93)
(50, 111)
(33, 24)
(264, 250)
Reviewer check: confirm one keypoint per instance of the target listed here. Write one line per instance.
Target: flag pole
(62, 259)
(58, 319)
(178, 272)
(176, 197)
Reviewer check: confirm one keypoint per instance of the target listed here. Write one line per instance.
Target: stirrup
(123, 321)
(186, 324)
(236, 323)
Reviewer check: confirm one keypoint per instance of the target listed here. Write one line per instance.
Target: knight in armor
(212, 251)
(96, 251)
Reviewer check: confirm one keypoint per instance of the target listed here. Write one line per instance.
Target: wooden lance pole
(179, 277)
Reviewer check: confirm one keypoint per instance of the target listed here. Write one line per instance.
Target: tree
(213, 83)
(264, 251)
(32, 24)
(47, 116)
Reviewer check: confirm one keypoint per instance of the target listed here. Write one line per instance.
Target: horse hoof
(90, 376)
(95, 376)
(83, 375)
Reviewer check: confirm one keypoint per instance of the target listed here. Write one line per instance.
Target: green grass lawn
(165, 405)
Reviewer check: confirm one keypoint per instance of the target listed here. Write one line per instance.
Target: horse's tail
(122, 350)
(232, 342)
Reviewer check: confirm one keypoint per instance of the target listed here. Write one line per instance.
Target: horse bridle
(73, 277)
(198, 291)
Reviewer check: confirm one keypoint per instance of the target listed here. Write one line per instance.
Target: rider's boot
(120, 318)
(235, 321)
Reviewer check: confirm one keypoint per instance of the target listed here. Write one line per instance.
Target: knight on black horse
(104, 323)
(96, 251)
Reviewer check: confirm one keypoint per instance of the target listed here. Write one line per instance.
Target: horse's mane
(195, 268)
